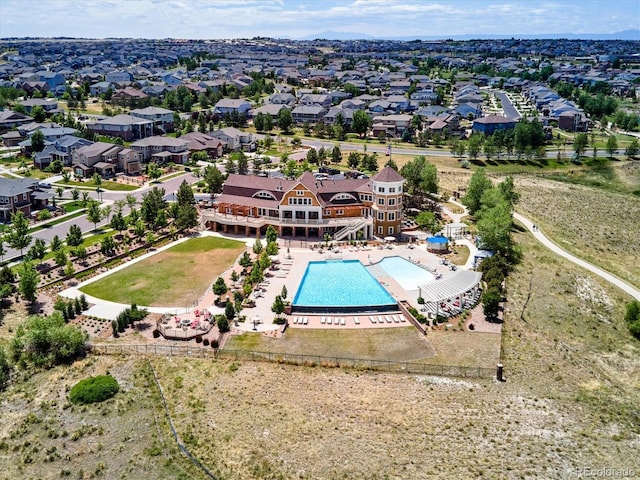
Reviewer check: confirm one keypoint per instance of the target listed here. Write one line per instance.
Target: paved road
(634, 292)
(108, 197)
(507, 107)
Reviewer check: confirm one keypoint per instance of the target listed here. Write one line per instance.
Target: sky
(202, 19)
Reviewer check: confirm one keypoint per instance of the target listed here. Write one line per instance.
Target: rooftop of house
(15, 186)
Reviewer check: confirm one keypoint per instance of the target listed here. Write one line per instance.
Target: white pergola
(453, 229)
(455, 286)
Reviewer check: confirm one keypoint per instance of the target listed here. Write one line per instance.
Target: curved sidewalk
(110, 310)
(634, 292)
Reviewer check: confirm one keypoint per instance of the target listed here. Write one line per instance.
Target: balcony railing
(231, 219)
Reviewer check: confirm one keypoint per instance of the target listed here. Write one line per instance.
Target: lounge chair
(323, 320)
(380, 319)
(356, 320)
(395, 320)
(342, 321)
(402, 319)
(305, 320)
(329, 320)
(373, 320)
(388, 320)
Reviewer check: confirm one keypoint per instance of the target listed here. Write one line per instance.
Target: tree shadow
(143, 326)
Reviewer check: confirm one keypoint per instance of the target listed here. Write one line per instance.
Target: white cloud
(245, 18)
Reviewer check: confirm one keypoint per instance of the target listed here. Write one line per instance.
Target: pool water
(340, 285)
(407, 274)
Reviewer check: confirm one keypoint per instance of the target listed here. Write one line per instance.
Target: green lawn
(175, 277)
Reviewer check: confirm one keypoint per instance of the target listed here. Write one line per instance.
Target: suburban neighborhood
(406, 245)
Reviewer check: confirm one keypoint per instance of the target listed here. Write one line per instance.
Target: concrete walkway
(634, 292)
(110, 310)
(538, 235)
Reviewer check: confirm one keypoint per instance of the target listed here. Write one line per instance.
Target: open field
(43, 436)
(394, 344)
(607, 234)
(173, 277)
(570, 401)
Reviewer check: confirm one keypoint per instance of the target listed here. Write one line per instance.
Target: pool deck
(292, 270)
(290, 273)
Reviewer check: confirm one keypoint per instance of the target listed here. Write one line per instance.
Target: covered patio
(451, 296)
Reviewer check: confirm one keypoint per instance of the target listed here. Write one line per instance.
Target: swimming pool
(407, 274)
(340, 286)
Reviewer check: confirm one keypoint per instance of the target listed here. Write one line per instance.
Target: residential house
(235, 139)
(271, 109)
(332, 115)
(11, 138)
(10, 119)
(315, 99)
(161, 118)
(308, 114)
(129, 161)
(229, 105)
(49, 106)
(427, 96)
(282, 99)
(162, 149)
(21, 195)
(491, 123)
(573, 121)
(99, 157)
(198, 142)
(100, 88)
(390, 125)
(126, 127)
(52, 79)
(129, 97)
(60, 149)
(119, 77)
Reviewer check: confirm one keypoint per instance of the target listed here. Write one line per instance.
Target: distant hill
(333, 35)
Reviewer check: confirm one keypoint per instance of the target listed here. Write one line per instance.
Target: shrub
(215, 343)
(632, 318)
(94, 389)
(421, 300)
(198, 338)
(223, 323)
(156, 333)
(205, 342)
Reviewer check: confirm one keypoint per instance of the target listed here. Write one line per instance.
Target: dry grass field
(43, 436)
(607, 234)
(439, 347)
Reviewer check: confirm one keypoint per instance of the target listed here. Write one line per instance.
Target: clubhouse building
(310, 207)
